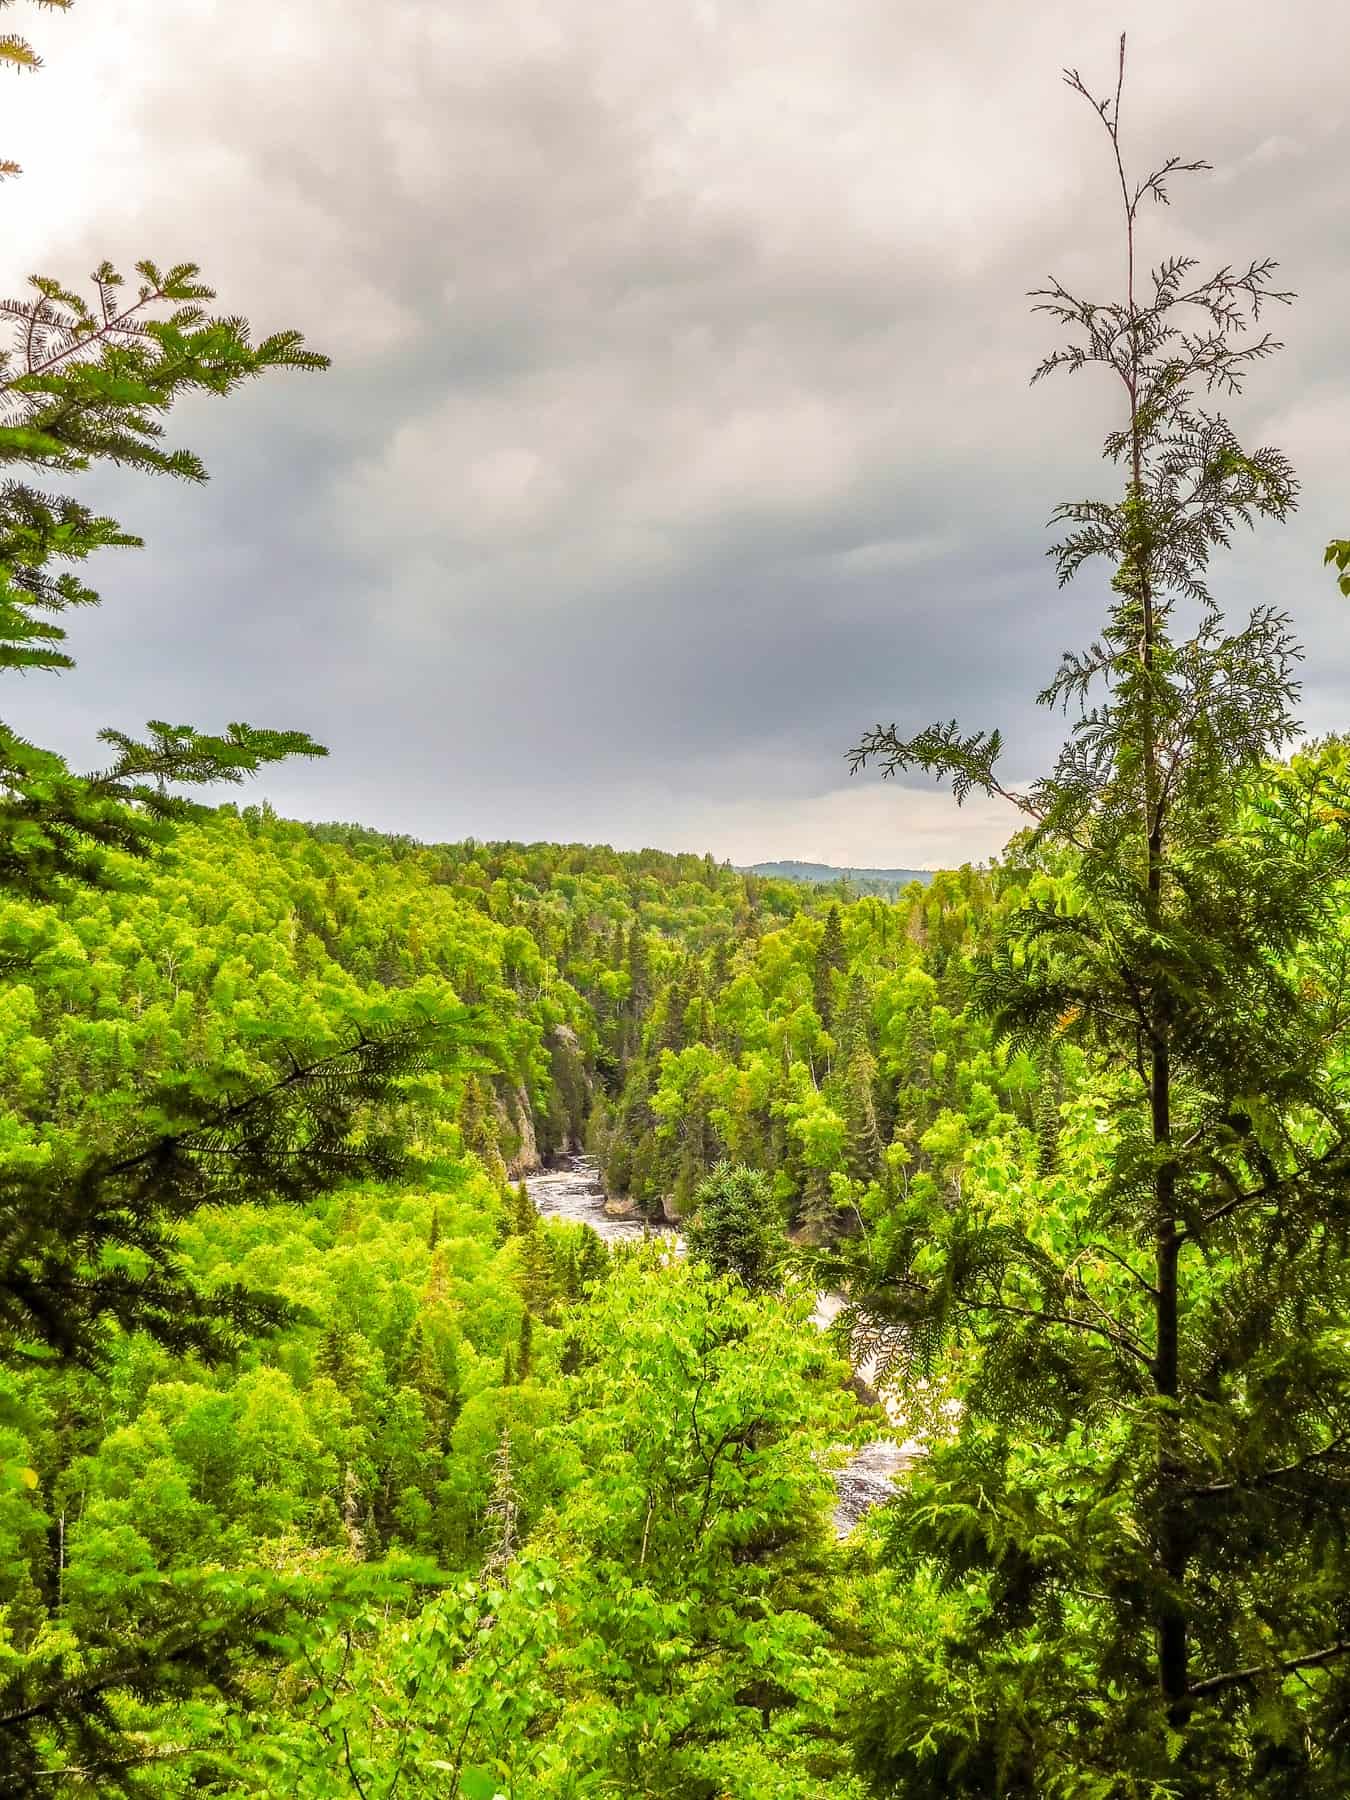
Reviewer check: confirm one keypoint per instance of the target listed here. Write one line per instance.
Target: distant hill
(870, 881)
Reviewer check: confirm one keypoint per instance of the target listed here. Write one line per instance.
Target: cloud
(680, 427)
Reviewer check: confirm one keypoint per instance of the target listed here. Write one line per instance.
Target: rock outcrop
(526, 1159)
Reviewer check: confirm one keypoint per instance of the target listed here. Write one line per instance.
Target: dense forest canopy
(330, 1467)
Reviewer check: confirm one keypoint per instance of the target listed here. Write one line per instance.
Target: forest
(331, 1466)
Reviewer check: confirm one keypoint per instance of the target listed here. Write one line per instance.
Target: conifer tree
(679, 994)
(1151, 1486)
(1049, 1099)
(639, 989)
(737, 1226)
(830, 961)
(81, 383)
(524, 1214)
(474, 1120)
(855, 1028)
(865, 1141)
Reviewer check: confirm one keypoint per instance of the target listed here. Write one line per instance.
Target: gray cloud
(680, 426)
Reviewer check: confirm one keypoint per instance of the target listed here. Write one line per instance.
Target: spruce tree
(858, 1101)
(524, 1214)
(1147, 1503)
(85, 382)
(830, 961)
(639, 1000)
(736, 1228)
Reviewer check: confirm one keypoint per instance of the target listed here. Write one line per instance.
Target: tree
(830, 961)
(639, 970)
(1049, 1100)
(737, 1227)
(1149, 1489)
(859, 1105)
(668, 1631)
(91, 1244)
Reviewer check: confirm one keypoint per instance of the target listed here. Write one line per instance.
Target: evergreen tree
(830, 961)
(332, 1355)
(737, 1226)
(1151, 1484)
(865, 1140)
(1048, 1102)
(477, 1121)
(524, 1215)
(79, 384)
(639, 970)
(679, 994)
(855, 1027)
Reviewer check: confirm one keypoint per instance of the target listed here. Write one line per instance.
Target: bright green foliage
(91, 1220)
(92, 1240)
(1338, 553)
(329, 1467)
(409, 1322)
(736, 1227)
(840, 1121)
(668, 1629)
(1139, 1529)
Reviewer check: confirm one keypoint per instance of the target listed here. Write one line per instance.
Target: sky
(679, 426)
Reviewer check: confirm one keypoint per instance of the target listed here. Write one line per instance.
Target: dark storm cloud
(680, 425)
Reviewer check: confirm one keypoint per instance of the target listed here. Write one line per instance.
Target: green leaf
(479, 1783)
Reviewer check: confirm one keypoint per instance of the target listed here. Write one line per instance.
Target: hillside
(446, 1384)
(878, 881)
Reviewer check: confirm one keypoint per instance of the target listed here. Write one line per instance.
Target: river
(571, 1190)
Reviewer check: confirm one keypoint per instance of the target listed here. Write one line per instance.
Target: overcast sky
(679, 424)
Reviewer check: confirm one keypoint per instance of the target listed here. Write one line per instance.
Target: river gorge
(571, 1189)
